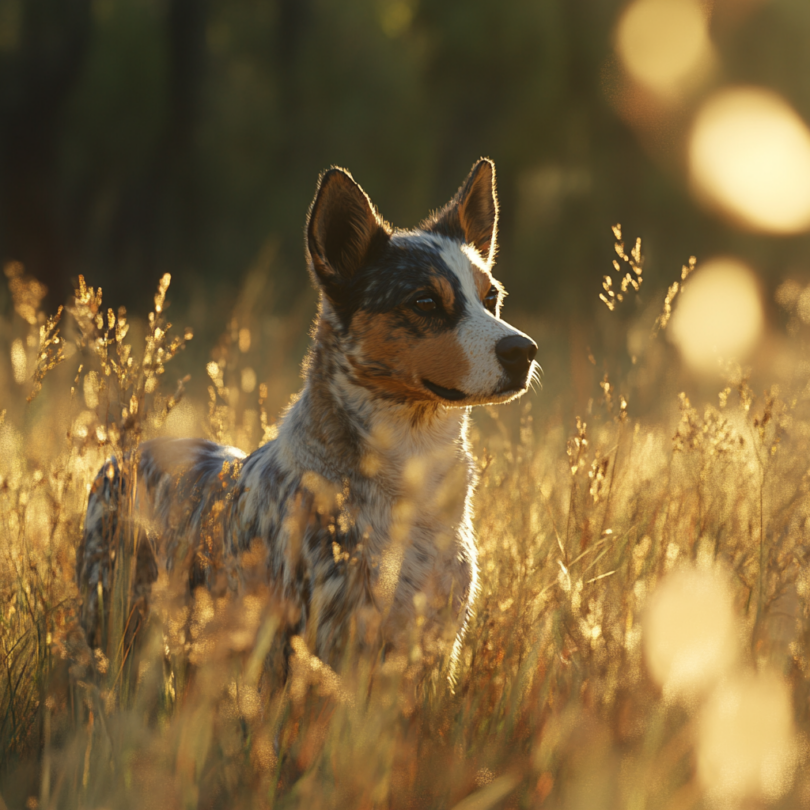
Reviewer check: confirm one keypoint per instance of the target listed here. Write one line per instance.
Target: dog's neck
(345, 429)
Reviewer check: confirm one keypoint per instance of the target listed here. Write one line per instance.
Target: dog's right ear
(342, 230)
(472, 215)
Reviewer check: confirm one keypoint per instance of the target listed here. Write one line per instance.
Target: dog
(361, 507)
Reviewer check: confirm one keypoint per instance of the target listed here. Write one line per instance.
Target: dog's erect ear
(472, 215)
(342, 230)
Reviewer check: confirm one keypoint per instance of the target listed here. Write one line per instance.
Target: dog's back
(157, 500)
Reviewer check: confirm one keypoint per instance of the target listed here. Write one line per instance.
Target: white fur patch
(480, 331)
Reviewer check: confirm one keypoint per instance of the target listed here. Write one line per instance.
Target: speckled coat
(361, 507)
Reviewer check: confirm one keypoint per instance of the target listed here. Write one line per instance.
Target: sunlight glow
(11, 453)
(749, 154)
(248, 380)
(663, 44)
(91, 389)
(746, 742)
(182, 422)
(718, 315)
(18, 361)
(689, 632)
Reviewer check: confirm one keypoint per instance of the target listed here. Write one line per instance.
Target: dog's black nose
(515, 354)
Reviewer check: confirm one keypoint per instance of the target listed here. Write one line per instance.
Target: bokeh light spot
(663, 43)
(749, 154)
(718, 315)
(18, 361)
(746, 741)
(689, 632)
(248, 380)
(182, 422)
(91, 389)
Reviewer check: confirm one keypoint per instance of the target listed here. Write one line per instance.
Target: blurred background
(145, 137)
(139, 137)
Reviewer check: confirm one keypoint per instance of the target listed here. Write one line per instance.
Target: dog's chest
(417, 537)
(388, 537)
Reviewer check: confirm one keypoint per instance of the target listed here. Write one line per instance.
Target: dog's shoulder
(191, 461)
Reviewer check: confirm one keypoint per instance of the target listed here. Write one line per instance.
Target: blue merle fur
(306, 500)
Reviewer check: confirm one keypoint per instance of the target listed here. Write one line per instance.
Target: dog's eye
(425, 303)
(491, 299)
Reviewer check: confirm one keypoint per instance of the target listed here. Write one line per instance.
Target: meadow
(641, 635)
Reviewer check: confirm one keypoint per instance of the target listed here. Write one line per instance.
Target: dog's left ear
(342, 230)
(472, 215)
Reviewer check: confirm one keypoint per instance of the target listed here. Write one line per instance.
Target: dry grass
(556, 704)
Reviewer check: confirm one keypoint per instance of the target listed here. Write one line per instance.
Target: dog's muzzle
(515, 354)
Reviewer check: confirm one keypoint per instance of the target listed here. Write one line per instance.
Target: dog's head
(417, 313)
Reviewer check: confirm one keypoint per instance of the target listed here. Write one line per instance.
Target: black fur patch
(408, 264)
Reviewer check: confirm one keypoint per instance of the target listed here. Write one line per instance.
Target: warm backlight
(663, 43)
(718, 315)
(690, 633)
(749, 154)
(746, 740)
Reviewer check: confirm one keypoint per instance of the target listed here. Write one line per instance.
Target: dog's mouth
(507, 390)
(450, 394)
(454, 395)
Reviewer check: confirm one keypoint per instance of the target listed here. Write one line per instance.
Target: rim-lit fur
(362, 504)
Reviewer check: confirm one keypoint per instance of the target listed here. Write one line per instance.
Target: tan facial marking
(381, 343)
(446, 293)
(440, 358)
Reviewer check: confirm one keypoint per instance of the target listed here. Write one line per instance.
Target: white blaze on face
(479, 331)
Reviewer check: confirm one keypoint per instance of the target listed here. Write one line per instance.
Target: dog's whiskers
(535, 377)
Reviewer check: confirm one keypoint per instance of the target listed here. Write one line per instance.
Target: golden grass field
(640, 638)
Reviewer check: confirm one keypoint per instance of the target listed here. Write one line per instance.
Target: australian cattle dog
(361, 507)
